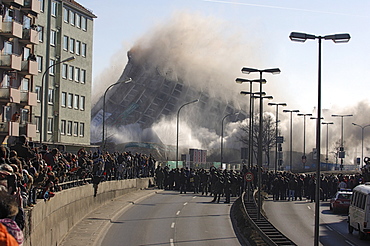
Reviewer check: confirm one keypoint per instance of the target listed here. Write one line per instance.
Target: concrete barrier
(48, 222)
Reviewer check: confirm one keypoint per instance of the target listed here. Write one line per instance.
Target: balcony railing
(27, 129)
(28, 98)
(29, 67)
(32, 5)
(8, 94)
(12, 29)
(11, 62)
(14, 2)
(30, 36)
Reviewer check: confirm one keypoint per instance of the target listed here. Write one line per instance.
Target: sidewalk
(91, 229)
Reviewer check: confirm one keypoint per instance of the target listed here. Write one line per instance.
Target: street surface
(296, 220)
(170, 218)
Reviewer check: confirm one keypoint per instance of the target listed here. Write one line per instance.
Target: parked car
(341, 201)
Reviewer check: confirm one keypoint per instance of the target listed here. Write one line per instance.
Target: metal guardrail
(265, 229)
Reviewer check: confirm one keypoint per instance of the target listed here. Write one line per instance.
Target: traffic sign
(249, 177)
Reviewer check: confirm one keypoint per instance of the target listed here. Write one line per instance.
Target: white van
(359, 210)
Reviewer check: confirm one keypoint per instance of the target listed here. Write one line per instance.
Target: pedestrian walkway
(91, 229)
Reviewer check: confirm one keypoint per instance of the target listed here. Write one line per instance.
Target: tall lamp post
(327, 139)
(43, 122)
(105, 93)
(304, 158)
(222, 136)
(341, 149)
(259, 155)
(291, 136)
(276, 130)
(177, 130)
(336, 38)
(240, 81)
(362, 141)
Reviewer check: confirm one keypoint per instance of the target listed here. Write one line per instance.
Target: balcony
(11, 62)
(28, 98)
(10, 128)
(29, 68)
(27, 129)
(30, 36)
(10, 95)
(17, 3)
(32, 6)
(12, 29)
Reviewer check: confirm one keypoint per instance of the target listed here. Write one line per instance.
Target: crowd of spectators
(28, 173)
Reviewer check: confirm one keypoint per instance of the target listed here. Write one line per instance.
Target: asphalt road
(296, 219)
(168, 218)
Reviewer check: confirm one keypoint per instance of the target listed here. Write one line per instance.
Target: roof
(78, 6)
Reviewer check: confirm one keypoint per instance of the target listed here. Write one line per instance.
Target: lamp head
(248, 70)
(338, 38)
(300, 37)
(240, 80)
(69, 59)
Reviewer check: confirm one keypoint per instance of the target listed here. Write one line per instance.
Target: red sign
(249, 177)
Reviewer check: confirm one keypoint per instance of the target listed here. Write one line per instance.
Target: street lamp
(43, 122)
(304, 158)
(103, 140)
(291, 135)
(177, 130)
(336, 38)
(341, 149)
(327, 139)
(222, 135)
(276, 130)
(240, 81)
(362, 141)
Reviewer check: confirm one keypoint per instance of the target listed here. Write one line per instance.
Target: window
(64, 99)
(8, 48)
(53, 37)
(40, 29)
(72, 17)
(38, 93)
(6, 114)
(69, 127)
(70, 100)
(24, 116)
(64, 71)
(39, 63)
(83, 76)
(83, 49)
(53, 8)
(25, 83)
(50, 125)
(75, 129)
(65, 15)
(26, 22)
(26, 53)
(82, 129)
(70, 72)
(42, 5)
(51, 69)
(72, 45)
(76, 100)
(6, 80)
(83, 23)
(50, 96)
(77, 74)
(82, 102)
(63, 127)
(78, 47)
(78, 20)
(37, 122)
(65, 43)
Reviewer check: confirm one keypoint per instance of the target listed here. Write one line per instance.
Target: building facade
(64, 63)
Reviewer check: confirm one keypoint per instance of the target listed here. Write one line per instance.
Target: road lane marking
(173, 225)
(171, 242)
(178, 212)
(309, 207)
(349, 243)
(185, 203)
(194, 197)
(330, 229)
